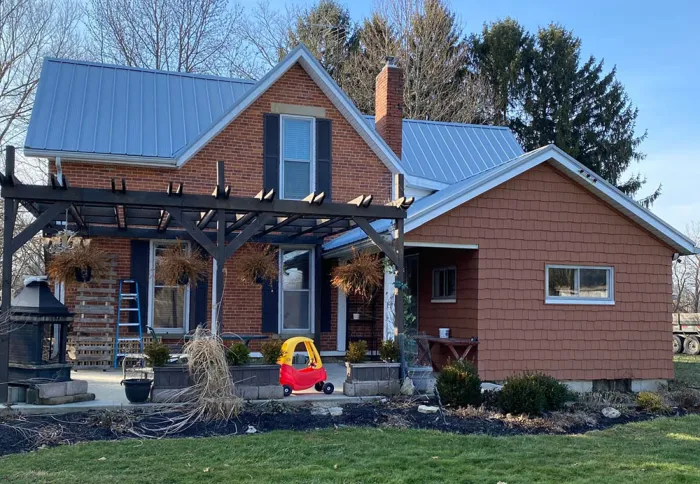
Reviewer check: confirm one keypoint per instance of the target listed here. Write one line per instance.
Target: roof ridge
(447, 123)
(143, 69)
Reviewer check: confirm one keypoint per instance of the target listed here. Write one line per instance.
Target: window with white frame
(296, 291)
(445, 284)
(297, 168)
(579, 284)
(168, 305)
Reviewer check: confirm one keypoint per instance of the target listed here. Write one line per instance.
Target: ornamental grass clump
(258, 264)
(459, 385)
(80, 261)
(179, 266)
(360, 276)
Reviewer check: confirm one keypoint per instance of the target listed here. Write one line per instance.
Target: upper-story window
(298, 164)
(579, 285)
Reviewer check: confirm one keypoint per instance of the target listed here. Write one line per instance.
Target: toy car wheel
(287, 390)
(318, 386)
(328, 388)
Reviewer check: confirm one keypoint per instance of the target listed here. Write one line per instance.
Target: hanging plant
(360, 276)
(178, 266)
(74, 259)
(258, 264)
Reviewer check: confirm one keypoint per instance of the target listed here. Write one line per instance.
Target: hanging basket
(77, 261)
(258, 265)
(361, 276)
(178, 266)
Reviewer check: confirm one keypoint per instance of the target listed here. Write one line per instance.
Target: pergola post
(8, 252)
(399, 283)
(216, 325)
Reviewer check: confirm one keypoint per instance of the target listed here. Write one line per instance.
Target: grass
(687, 370)
(663, 450)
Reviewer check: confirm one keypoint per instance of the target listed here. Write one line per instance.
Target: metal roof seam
(443, 159)
(65, 116)
(448, 148)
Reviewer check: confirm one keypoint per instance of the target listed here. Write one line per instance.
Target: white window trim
(447, 299)
(152, 289)
(608, 301)
(312, 171)
(312, 292)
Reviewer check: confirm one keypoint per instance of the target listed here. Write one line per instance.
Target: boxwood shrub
(459, 385)
(532, 394)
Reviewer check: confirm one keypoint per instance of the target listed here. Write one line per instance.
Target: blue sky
(656, 48)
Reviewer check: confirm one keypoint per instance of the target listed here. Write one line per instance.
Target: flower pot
(137, 389)
(356, 316)
(83, 275)
(184, 279)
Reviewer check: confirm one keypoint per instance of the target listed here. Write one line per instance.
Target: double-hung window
(579, 285)
(168, 305)
(445, 284)
(296, 291)
(297, 170)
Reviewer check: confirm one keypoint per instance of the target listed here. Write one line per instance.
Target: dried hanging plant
(258, 264)
(179, 266)
(76, 261)
(360, 276)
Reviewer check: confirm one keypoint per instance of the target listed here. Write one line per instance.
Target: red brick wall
(542, 217)
(460, 316)
(356, 169)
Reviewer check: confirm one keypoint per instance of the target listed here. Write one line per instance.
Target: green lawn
(664, 450)
(688, 370)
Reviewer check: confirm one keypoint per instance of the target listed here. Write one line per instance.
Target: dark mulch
(26, 433)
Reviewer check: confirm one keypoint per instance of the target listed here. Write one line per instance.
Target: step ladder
(126, 295)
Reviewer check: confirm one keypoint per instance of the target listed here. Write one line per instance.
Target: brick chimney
(388, 104)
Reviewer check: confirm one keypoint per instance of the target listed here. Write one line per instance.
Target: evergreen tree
(547, 94)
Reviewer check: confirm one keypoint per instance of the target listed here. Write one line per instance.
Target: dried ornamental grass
(258, 264)
(80, 256)
(177, 265)
(361, 276)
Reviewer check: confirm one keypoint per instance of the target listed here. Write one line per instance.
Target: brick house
(550, 267)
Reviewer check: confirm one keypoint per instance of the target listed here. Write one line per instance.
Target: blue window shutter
(324, 149)
(325, 294)
(271, 153)
(140, 264)
(270, 306)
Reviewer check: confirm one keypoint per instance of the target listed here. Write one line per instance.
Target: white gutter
(151, 162)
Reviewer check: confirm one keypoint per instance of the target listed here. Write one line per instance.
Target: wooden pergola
(220, 223)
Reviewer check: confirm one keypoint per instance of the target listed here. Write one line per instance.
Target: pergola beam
(97, 196)
(245, 235)
(194, 231)
(378, 240)
(33, 228)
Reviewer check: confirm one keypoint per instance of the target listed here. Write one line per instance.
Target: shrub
(357, 351)
(532, 394)
(389, 351)
(459, 385)
(238, 354)
(271, 351)
(686, 398)
(651, 402)
(157, 353)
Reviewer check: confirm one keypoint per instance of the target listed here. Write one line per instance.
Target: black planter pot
(137, 389)
(83, 275)
(183, 280)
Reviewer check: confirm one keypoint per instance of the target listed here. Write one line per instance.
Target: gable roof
(53, 111)
(440, 202)
(446, 153)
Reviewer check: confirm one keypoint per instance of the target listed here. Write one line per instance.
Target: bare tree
(29, 31)
(263, 40)
(686, 277)
(176, 35)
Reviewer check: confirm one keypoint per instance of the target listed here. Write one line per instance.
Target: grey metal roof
(97, 108)
(450, 152)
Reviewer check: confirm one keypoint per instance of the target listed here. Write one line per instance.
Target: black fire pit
(38, 334)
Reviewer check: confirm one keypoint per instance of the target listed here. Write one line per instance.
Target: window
(297, 170)
(169, 305)
(445, 284)
(579, 285)
(296, 286)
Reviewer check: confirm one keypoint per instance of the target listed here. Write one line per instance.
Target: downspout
(59, 171)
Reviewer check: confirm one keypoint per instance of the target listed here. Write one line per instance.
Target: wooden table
(427, 342)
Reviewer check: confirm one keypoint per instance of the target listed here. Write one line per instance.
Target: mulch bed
(30, 432)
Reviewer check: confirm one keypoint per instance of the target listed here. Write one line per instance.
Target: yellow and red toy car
(314, 375)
